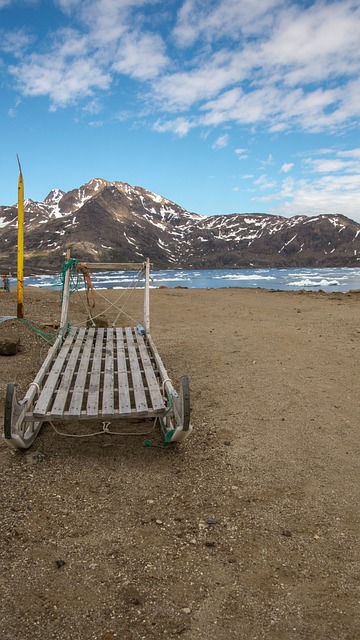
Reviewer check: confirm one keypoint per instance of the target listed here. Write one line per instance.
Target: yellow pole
(20, 253)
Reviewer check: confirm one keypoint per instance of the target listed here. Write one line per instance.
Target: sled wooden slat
(81, 376)
(108, 382)
(61, 395)
(47, 392)
(123, 382)
(151, 380)
(92, 408)
(137, 383)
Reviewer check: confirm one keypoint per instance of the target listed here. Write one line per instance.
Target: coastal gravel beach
(248, 530)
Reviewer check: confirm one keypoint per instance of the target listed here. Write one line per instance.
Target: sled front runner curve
(105, 374)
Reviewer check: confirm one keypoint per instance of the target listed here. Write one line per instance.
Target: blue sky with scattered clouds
(221, 106)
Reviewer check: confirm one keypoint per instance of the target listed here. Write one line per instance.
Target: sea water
(311, 279)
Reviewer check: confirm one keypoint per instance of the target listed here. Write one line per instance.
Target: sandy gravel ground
(248, 530)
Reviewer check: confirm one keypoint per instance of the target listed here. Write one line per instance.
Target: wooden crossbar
(115, 266)
(101, 373)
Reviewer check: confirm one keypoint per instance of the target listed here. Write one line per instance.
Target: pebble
(60, 563)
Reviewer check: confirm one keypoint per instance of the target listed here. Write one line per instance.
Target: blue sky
(220, 105)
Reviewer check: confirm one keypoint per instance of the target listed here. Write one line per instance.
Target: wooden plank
(92, 408)
(81, 376)
(151, 379)
(62, 392)
(47, 392)
(138, 387)
(108, 381)
(123, 383)
(114, 266)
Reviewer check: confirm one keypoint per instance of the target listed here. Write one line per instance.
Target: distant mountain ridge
(106, 221)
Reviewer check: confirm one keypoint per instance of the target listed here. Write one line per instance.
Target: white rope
(164, 382)
(35, 384)
(105, 429)
(131, 287)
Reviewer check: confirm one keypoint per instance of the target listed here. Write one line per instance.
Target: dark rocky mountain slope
(114, 222)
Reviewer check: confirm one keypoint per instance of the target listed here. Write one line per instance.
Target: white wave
(183, 279)
(316, 274)
(313, 283)
(244, 277)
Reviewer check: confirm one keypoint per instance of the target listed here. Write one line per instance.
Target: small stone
(9, 346)
(159, 522)
(60, 563)
(212, 521)
(186, 610)
(133, 596)
(50, 324)
(209, 543)
(34, 457)
(286, 533)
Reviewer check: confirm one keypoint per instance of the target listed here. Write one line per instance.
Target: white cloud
(269, 161)
(179, 126)
(229, 18)
(319, 42)
(14, 42)
(350, 153)
(327, 185)
(286, 167)
(241, 154)
(63, 81)
(221, 141)
(323, 196)
(296, 46)
(77, 62)
(264, 182)
(329, 165)
(141, 57)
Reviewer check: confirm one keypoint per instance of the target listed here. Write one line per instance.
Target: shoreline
(250, 527)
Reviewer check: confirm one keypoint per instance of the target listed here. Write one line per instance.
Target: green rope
(48, 337)
(150, 443)
(74, 280)
(166, 434)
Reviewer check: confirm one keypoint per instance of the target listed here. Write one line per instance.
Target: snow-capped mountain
(114, 222)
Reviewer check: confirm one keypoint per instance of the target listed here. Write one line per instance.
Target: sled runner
(100, 374)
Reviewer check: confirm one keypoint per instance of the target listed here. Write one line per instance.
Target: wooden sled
(102, 374)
